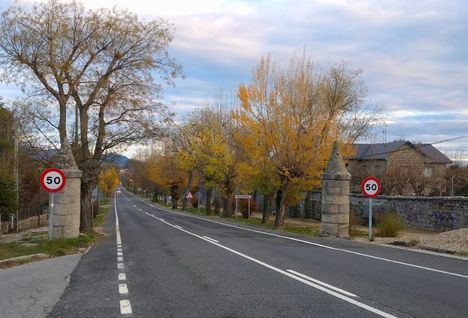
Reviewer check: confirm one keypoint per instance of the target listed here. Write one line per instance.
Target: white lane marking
(123, 289)
(122, 276)
(120, 265)
(209, 238)
(317, 244)
(125, 307)
(117, 227)
(119, 259)
(341, 291)
(119, 254)
(119, 249)
(178, 226)
(300, 279)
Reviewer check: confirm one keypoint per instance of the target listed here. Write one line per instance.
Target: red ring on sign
(60, 172)
(379, 187)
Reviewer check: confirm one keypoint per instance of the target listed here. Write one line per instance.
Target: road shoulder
(32, 289)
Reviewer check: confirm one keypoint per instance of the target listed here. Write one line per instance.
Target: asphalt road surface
(157, 263)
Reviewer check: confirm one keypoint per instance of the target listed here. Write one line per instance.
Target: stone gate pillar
(335, 197)
(65, 218)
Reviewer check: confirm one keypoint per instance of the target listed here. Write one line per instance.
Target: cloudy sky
(413, 54)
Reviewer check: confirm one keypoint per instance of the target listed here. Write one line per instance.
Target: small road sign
(189, 195)
(53, 180)
(371, 187)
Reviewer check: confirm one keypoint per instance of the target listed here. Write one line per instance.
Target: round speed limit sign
(371, 187)
(53, 180)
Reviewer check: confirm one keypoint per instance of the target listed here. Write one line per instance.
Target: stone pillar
(65, 218)
(335, 197)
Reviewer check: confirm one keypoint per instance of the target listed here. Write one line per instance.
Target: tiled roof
(381, 151)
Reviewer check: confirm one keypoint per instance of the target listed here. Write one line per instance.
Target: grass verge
(38, 242)
(103, 210)
(288, 228)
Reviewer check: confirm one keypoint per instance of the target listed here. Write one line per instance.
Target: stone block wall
(428, 213)
(26, 224)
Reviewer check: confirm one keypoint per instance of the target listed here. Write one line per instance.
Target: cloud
(413, 54)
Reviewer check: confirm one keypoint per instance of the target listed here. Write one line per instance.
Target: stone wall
(429, 213)
(26, 224)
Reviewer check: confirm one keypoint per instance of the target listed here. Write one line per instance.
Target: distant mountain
(120, 161)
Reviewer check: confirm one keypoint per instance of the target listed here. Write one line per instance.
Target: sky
(413, 54)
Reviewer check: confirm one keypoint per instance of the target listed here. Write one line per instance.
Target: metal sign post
(370, 220)
(51, 213)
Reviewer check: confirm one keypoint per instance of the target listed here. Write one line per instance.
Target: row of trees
(274, 138)
(7, 181)
(91, 80)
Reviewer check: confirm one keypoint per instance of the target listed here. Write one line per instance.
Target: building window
(428, 171)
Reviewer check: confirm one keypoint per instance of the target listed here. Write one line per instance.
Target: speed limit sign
(371, 187)
(53, 180)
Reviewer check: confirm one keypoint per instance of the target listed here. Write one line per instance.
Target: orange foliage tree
(289, 118)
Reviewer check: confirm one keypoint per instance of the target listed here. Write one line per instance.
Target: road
(159, 263)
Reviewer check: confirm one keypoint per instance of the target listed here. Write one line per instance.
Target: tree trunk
(278, 201)
(175, 197)
(267, 208)
(187, 190)
(279, 218)
(209, 191)
(308, 205)
(86, 223)
(227, 206)
(155, 196)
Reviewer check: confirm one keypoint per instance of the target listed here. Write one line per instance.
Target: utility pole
(16, 172)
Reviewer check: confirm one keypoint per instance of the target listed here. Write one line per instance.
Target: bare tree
(99, 64)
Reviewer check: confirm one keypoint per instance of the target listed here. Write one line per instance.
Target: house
(405, 168)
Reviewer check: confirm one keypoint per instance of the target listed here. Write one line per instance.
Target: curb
(36, 257)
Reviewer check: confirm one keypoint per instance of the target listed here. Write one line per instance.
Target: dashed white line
(300, 279)
(125, 307)
(316, 244)
(209, 238)
(341, 291)
(123, 289)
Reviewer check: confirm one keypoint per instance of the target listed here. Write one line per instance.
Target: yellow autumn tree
(290, 116)
(108, 180)
(163, 171)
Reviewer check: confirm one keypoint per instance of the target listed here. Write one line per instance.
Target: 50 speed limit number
(53, 180)
(371, 187)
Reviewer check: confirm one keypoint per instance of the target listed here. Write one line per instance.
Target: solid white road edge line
(317, 286)
(341, 291)
(209, 238)
(125, 307)
(316, 244)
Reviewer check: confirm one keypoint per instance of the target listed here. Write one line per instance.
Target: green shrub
(390, 224)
